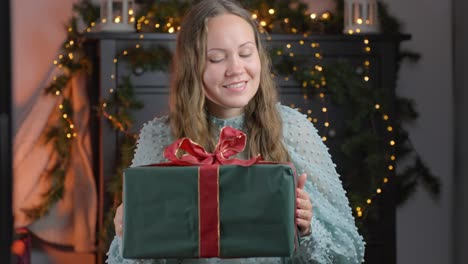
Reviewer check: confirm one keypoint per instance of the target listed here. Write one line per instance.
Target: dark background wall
(424, 226)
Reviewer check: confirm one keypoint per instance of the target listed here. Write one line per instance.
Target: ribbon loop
(231, 142)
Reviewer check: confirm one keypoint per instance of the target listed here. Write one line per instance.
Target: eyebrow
(240, 46)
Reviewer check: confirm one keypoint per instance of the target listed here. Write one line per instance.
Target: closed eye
(216, 60)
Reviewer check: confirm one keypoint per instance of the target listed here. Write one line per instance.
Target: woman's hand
(303, 207)
(118, 221)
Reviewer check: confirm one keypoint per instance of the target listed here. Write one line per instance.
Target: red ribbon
(231, 141)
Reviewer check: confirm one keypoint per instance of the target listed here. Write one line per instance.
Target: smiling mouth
(235, 85)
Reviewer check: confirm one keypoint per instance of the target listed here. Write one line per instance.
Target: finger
(118, 230)
(304, 214)
(303, 224)
(118, 223)
(303, 204)
(302, 194)
(302, 180)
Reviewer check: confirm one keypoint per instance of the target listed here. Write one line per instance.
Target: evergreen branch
(54, 192)
(57, 85)
(89, 13)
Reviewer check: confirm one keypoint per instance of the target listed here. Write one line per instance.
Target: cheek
(256, 66)
(210, 77)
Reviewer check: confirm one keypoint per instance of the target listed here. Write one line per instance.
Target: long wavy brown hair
(188, 115)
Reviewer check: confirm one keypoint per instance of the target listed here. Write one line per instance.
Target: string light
(385, 118)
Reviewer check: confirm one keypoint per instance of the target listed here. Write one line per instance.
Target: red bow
(231, 141)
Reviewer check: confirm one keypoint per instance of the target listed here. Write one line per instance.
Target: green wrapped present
(219, 207)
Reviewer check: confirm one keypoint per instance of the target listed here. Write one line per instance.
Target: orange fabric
(72, 221)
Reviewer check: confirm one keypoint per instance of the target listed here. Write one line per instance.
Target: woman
(221, 77)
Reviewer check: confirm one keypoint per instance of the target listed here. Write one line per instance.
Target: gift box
(207, 205)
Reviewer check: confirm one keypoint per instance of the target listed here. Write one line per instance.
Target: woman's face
(232, 73)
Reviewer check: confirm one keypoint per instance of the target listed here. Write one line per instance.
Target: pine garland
(71, 61)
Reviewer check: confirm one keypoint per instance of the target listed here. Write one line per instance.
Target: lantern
(117, 15)
(360, 16)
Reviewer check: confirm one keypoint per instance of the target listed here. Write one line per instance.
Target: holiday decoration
(360, 16)
(117, 15)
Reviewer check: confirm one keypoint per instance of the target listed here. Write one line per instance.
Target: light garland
(63, 132)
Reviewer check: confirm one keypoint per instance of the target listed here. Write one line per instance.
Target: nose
(235, 66)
